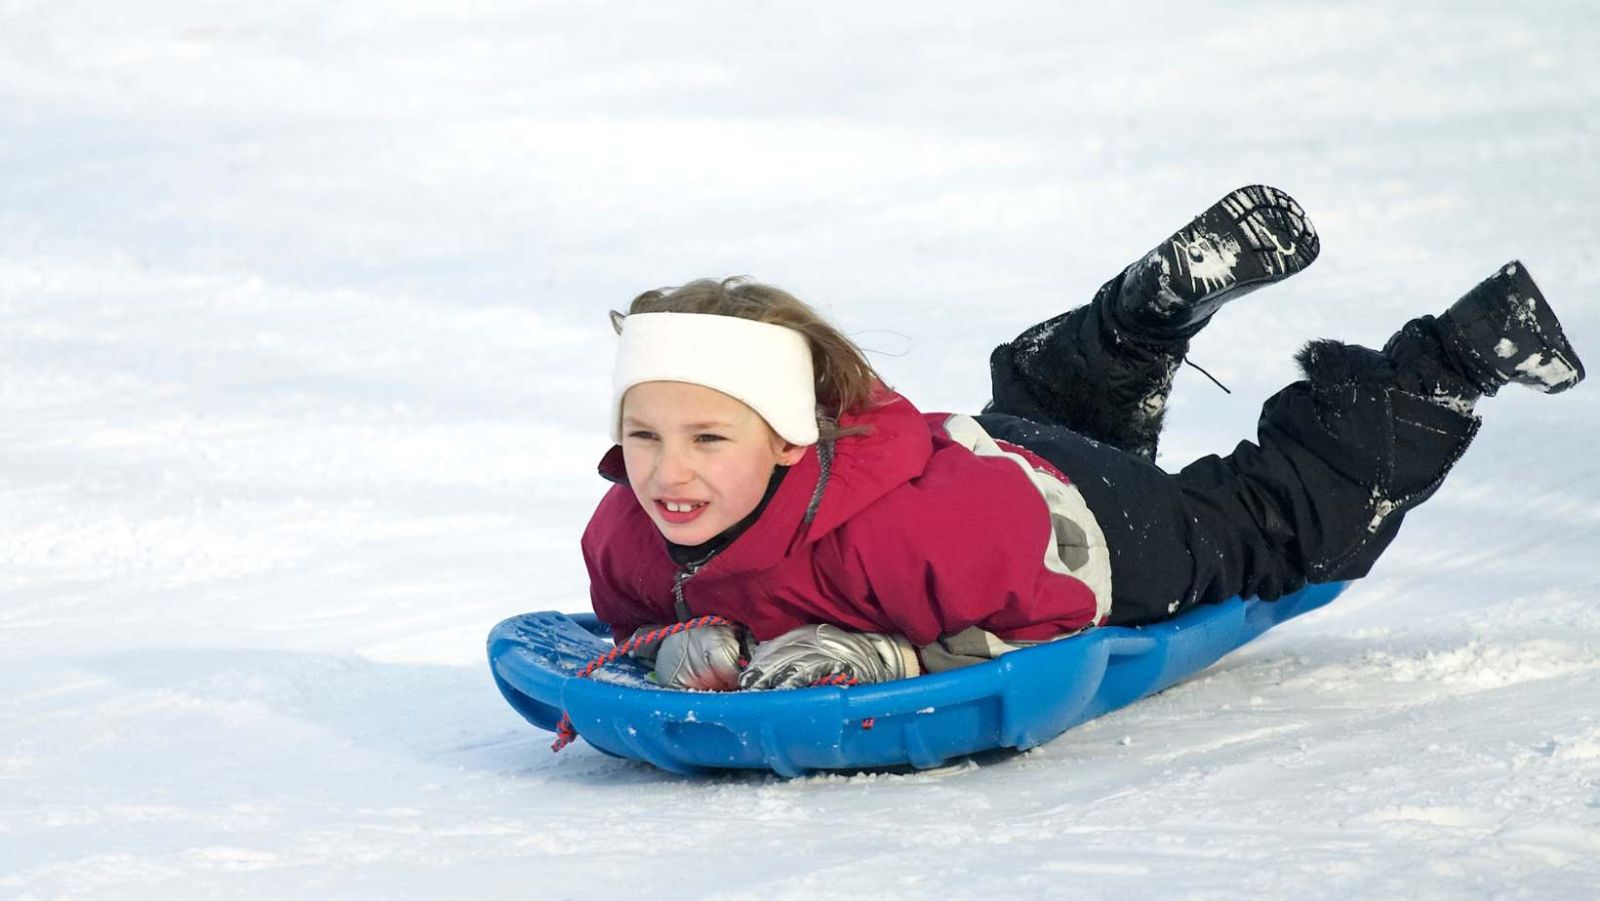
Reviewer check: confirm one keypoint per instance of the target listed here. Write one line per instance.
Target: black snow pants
(1339, 459)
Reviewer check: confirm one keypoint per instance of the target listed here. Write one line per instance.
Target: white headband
(767, 367)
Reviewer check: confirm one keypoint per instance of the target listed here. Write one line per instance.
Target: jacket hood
(866, 467)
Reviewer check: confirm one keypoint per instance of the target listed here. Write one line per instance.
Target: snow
(303, 355)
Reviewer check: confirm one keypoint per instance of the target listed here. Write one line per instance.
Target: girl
(766, 474)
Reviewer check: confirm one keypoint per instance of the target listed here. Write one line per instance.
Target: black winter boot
(1104, 370)
(1425, 366)
(1252, 237)
(1079, 370)
(1503, 331)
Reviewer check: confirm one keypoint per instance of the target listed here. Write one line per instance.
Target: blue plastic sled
(1020, 700)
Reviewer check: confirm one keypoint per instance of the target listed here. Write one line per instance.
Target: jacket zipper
(679, 605)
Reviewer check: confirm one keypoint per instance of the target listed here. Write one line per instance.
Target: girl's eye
(707, 439)
(642, 435)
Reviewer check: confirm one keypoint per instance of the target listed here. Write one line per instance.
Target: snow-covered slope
(302, 368)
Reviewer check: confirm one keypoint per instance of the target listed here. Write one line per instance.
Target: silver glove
(800, 657)
(706, 658)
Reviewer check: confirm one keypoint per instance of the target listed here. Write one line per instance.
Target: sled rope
(566, 733)
(844, 681)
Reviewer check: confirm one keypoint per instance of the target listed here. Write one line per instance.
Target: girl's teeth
(679, 508)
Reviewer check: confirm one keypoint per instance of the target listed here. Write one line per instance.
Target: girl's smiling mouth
(680, 512)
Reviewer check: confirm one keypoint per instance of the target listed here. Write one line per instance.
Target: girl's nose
(673, 468)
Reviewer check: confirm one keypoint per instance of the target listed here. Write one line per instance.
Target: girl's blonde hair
(845, 382)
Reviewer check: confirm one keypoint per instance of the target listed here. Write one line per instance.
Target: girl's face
(698, 460)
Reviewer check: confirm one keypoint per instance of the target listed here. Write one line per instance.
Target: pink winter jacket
(925, 527)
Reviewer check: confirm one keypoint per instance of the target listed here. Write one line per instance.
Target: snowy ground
(302, 365)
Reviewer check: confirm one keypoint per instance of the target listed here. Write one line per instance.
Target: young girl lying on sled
(766, 474)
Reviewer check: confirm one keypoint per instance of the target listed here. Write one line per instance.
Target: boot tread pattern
(1253, 236)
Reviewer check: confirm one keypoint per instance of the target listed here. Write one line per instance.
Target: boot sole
(1252, 237)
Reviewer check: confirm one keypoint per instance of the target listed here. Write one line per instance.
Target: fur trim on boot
(1329, 364)
(1412, 363)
